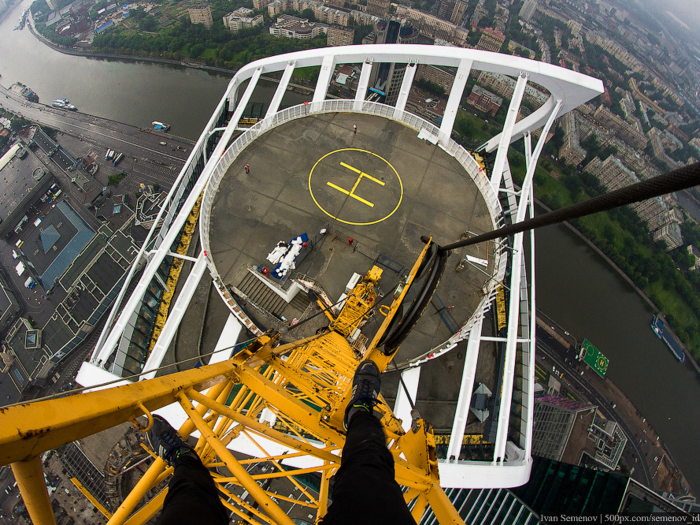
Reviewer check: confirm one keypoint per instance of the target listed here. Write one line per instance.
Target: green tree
(434, 88)
(149, 23)
(196, 50)
(361, 31)
(18, 123)
(309, 14)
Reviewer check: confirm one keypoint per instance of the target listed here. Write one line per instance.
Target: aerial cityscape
(187, 183)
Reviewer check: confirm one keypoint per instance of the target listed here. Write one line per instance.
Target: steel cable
(675, 180)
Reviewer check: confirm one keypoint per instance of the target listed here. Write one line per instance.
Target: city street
(551, 353)
(133, 141)
(149, 158)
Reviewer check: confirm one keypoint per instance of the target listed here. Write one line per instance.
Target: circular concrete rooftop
(382, 186)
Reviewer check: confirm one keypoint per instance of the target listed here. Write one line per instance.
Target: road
(564, 361)
(146, 159)
(130, 140)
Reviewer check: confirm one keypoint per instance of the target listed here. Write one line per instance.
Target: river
(586, 296)
(133, 92)
(574, 285)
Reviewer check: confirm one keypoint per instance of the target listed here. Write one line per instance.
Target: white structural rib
(281, 90)
(456, 92)
(530, 408)
(514, 304)
(504, 144)
(405, 90)
(240, 108)
(362, 85)
(134, 302)
(465, 393)
(567, 89)
(324, 79)
(172, 323)
(402, 405)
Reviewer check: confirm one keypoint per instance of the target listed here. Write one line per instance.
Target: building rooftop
(301, 174)
(56, 242)
(17, 182)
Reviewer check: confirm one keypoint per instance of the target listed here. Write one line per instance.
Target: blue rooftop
(104, 27)
(49, 237)
(79, 241)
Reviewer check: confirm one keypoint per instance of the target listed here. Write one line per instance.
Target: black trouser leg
(192, 496)
(365, 491)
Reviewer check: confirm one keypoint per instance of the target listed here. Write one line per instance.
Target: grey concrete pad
(246, 204)
(315, 174)
(457, 201)
(384, 188)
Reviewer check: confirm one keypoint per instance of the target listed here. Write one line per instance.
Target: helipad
(383, 187)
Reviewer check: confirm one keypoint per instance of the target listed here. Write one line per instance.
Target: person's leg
(365, 491)
(192, 495)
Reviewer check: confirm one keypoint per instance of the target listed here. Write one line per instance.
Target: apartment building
(491, 40)
(201, 15)
(293, 27)
(484, 100)
(528, 10)
(442, 76)
(242, 18)
(433, 26)
(621, 128)
(340, 36)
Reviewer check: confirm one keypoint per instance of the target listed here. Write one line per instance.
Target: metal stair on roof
(261, 295)
(300, 302)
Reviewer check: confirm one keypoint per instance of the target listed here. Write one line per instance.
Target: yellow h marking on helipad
(351, 193)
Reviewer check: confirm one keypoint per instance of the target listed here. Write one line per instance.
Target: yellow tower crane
(306, 386)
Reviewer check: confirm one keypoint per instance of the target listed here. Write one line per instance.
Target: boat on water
(22, 20)
(160, 126)
(63, 104)
(660, 330)
(24, 91)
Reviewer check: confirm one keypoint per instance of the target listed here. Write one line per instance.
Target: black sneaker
(365, 390)
(166, 442)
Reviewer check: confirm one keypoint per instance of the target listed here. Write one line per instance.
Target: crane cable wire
(676, 180)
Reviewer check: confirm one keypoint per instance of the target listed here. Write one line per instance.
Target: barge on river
(660, 329)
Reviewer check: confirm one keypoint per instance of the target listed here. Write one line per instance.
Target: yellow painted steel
(293, 395)
(174, 272)
(468, 439)
(323, 495)
(419, 507)
(358, 304)
(91, 498)
(501, 316)
(270, 507)
(31, 483)
(149, 510)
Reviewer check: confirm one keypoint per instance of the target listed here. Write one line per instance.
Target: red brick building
(484, 100)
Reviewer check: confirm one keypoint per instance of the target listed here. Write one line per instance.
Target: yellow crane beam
(291, 394)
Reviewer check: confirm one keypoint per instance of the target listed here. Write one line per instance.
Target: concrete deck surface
(383, 187)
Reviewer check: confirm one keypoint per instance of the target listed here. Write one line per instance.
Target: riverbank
(297, 88)
(111, 56)
(667, 476)
(173, 93)
(621, 273)
(644, 448)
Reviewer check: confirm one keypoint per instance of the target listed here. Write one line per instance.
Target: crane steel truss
(303, 386)
(299, 391)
